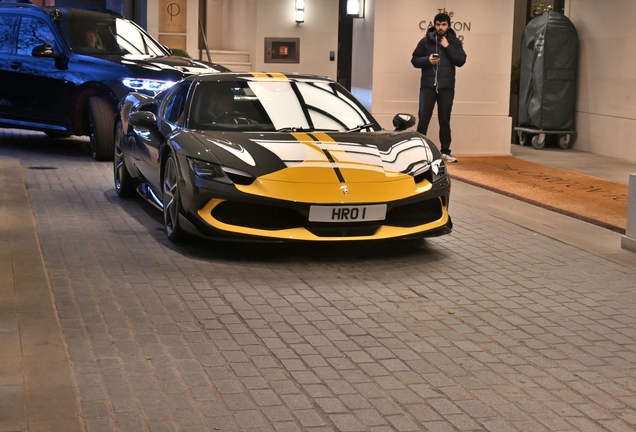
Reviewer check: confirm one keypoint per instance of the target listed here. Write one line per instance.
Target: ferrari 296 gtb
(274, 157)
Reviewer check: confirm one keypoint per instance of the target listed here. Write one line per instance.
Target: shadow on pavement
(340, 252)
(42, 144)
(217, 250)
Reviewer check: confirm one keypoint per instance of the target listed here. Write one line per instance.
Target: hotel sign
(459, 26)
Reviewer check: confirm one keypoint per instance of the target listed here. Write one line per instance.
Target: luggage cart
(547, 81)
(538, 137)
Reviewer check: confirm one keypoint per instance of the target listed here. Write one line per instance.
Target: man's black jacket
(450, 57)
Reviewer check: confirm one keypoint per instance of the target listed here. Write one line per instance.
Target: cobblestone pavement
(493, 328)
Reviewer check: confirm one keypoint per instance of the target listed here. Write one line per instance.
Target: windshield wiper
(360, 127)
(294, 129)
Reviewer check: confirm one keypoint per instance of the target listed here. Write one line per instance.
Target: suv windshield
(109, 35)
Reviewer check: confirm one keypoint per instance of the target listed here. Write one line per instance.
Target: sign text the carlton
(459, 26)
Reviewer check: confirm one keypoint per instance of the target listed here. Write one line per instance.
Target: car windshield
(278, 105)
(109, 35)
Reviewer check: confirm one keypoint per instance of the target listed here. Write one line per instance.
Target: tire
(124, 184)
(101, 122)
(537, 141)
(171, 200)
(522, 137)
(564, 142)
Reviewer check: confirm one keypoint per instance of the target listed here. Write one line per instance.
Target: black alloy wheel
(171, 200)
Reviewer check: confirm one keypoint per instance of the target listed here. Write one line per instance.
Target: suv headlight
(147, 84)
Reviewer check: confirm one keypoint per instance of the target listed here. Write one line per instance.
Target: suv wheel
(123, 180)
(102, 120)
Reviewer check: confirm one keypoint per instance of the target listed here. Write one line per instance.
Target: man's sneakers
(448, 158)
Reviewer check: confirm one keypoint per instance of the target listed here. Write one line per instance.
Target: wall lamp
(355, 8)
(300, 11)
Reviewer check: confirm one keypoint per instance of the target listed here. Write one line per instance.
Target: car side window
(175, 103)
(34, 32)
(7, 24)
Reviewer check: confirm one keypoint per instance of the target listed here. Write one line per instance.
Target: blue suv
(63, 70)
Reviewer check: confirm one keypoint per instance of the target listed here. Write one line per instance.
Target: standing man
(438, 54)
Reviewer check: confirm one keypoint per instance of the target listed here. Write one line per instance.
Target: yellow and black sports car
(255, 156)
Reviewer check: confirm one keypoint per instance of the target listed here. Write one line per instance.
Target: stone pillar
(629, 239)
(173, 23)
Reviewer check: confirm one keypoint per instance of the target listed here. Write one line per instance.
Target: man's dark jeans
(444, 99)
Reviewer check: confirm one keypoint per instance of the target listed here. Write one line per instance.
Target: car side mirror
(143, 119)
(403, 121)
(47, 51)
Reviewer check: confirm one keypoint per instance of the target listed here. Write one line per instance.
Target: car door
(37, 88)
(169, 119)
(7, 34)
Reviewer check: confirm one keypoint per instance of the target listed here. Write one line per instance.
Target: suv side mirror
(46, 51)
(403, 121)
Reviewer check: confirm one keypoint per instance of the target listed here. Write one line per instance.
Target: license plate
(347, 213)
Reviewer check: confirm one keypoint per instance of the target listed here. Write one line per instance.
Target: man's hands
(434, 59)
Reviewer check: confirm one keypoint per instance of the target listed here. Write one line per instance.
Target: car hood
(173, 67)
(184, 64)
(382, 155)
(297, 164)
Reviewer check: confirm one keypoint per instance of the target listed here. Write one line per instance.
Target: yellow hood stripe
(321, 138)
(311, 182)
(270, 76)
(307, 140)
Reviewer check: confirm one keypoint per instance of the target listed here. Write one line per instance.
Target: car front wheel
(123, 180)
(171, 200)
(101, 120)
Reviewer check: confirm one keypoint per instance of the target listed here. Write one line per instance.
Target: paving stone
(495, 327)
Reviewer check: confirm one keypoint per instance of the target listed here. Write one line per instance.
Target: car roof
(60, 11)
(80, 11)
(22, 7)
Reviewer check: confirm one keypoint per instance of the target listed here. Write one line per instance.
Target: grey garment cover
(547, 85)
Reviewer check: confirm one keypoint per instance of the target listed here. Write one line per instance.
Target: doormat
(584, 197)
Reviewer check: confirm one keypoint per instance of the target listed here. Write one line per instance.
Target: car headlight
(218, 173)
(438, 170)
(147, 84)
(208, 171)
(434, 172)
